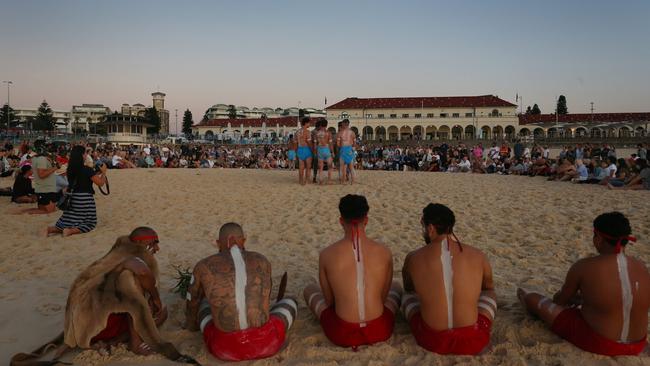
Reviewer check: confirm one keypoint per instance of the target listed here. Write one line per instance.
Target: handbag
(65, 201)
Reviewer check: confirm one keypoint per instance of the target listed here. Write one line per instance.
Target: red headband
(144, 237)
(619, 245)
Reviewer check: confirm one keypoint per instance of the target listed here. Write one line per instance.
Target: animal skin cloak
(101, 290)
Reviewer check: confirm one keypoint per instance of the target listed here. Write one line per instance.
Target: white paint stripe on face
(285, 313)
(487, 308)
(626, 289)
(205, 322)
(240, 285)
(448, 279)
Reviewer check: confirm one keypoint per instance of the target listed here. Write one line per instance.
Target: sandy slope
(532, 230)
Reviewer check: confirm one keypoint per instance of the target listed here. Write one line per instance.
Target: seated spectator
(22, 191)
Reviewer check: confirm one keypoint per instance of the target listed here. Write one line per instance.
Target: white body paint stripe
(488, 300)
(409, 308)
(289, 302)
(542, 302)
(626, 290)
(448, 279)
(487, 308)
(361, 285)
(192, 280)
(205, 322)
(240, 285)
(311, 297)
(188, 296)
(284, 313)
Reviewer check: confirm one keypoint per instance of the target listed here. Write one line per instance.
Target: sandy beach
(532, 231)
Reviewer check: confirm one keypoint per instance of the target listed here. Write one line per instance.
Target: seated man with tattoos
(228, 300)
(357, 298)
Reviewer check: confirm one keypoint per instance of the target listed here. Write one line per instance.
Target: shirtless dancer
(603, 305)
(291, 152)
(228, 300)
(345, 141)
(304, 151)
(324, 151)
(356, 300)
(449, 298)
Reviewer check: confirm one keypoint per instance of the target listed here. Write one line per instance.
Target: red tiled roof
(422, 102)
(291, 121)
(584, 118)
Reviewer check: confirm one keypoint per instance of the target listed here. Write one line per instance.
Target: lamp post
(8, 82)
(176, 113)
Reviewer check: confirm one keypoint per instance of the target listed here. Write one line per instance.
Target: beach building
(86, 116)
(23, 117)
(139, 109)
(428, 118)
(610, 125)
(125, 129)
(235, 129)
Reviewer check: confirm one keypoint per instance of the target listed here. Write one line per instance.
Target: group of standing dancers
(316, 149)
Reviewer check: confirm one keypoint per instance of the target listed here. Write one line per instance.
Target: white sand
(531, 229)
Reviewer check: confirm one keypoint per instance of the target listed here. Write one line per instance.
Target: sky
(289, 53)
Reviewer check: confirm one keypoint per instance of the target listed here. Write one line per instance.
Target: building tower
(159, 104)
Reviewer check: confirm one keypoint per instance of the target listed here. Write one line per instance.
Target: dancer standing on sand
(449, 299)
(228, 300)
(324, 151)
(357, 299)
(603, 305)
(346, 141)
(305, 145)
(291, 152)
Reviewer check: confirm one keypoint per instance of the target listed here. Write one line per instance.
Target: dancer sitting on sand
(22, 191)
(101, 305)
(603, 305)
(449, 298)
(324, 151)
(304, 151)
(356, 300)
(345, 141)
(228, 300)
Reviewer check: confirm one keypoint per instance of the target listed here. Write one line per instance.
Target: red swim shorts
(116, 325)
(570, 325)
(346, 334)
(469, 340)
(247, 344)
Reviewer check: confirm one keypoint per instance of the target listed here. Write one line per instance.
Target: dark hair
(440, 216)
(304, 121)
(323, 122)
(346, 121)
(615, 225)
(353, 207)
(25, 169)
(612, 159)
(641, 163)
(141, 231)
(76, 162)
(230, 228)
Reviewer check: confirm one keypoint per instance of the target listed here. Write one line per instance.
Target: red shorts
(570, 325)
(347, 334)
(468, 340)
(247, 344)
(116, 325)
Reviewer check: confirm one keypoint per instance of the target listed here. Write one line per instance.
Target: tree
(44, 118)
(187, 122)
(535, 110)
(561, 105)
(6, 109)
(528, 110)
(152, 117)
(232, 112)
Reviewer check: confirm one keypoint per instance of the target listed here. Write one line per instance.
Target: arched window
(495, 113)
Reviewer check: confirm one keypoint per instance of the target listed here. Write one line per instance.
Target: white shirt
(612, 170)
(116, 160)
(464, 164)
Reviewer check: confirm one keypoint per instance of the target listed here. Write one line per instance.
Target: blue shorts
(347, 154)
(324, 153)
(291, 154)
(304, 153)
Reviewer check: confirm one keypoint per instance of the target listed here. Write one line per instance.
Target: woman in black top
(82, 215)
(22, 191)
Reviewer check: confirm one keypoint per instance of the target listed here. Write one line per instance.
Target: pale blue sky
(276, 53)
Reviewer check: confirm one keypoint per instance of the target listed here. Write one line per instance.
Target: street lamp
(8, 82)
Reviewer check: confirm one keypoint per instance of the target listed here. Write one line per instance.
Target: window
(345, 115)
(443, 115)
(469, 115)
(429, 115)
(495, 113)
(393, 116)
(405, 115)
(418, 115)
(381, 115)
(368, 115)
(455, 115)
